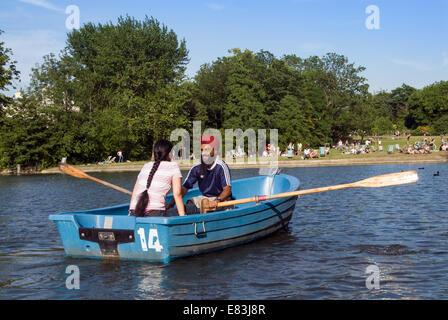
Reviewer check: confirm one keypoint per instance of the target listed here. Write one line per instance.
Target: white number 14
(153, 240)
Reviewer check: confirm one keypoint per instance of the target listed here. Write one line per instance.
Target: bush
(421, 130)
(440, 125)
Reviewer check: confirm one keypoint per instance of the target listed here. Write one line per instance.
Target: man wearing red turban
(213, 178)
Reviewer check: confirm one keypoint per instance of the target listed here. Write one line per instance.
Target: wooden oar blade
(68, 169)
(386, 180)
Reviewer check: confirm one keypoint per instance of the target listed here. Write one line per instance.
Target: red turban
(211, 140)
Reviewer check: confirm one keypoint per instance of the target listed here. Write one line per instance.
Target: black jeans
(159, 213)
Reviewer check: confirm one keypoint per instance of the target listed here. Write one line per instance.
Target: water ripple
(332, 239)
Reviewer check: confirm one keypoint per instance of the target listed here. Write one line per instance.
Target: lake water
(331, 240)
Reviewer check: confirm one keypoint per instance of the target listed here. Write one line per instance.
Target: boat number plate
(108, 239)
(106, 236)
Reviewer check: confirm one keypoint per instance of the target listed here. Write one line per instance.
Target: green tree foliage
(244, 107)
(8, 71)
(399, 102)
(304, 99)
(342, 85)
(361, 117)
(122, 86)
(115, 87)
(429, 107)
(28, 136)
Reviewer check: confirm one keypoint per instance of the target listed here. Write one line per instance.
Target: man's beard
(208, 160)
(204, 165)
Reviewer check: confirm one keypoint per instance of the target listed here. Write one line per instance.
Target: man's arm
(208, 206)
(226, 193)
(226, 190)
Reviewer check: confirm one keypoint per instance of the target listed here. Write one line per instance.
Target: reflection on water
(331, 240)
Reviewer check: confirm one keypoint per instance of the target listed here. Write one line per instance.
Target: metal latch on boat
(196, 229)
(108, 239)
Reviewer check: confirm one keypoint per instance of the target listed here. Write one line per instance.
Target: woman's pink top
(160, 185)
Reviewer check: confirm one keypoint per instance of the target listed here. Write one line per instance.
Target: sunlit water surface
(331, 240)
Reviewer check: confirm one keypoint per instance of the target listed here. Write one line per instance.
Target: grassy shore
(335, 158)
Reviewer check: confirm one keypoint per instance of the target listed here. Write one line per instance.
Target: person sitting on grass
(307, 152)
(432, 144)
(416, 145)
(444, 147)
(290, 149)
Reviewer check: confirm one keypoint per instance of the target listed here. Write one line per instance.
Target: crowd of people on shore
(353, 147)
(271, 150)
(356, 147)
(348, 147)
(306, 153)
(425, 147)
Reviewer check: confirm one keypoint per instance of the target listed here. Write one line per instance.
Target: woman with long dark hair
(154, 182)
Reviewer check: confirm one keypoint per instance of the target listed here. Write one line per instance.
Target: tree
(428, 106)
(27, 135)
(121, 84)
(292, 120)
(258, 90)
(8, 72)
(341, 84)
(362, 117)
(399, 102)
(211, 92)
(244, 107)
(340, 80)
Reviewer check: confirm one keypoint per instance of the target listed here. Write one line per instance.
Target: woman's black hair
(162, 149)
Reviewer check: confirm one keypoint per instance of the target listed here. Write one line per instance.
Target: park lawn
(336, 154)
(386, 142)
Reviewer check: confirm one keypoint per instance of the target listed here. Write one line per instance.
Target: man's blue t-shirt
(212, 182)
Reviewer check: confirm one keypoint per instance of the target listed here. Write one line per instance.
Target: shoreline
(125, 167)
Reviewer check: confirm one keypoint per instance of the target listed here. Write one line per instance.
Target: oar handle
(260, 198)
(384, 180)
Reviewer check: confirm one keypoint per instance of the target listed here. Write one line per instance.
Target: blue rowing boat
(109, 233)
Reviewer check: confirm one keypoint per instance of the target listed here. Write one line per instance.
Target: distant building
(18, 95)
(48, 101)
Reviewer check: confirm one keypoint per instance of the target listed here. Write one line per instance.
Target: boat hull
(109, 233)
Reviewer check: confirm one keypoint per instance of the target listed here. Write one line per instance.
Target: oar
(68, 169)
(385, 180)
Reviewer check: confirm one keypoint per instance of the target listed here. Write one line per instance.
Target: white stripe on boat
(108, 222)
